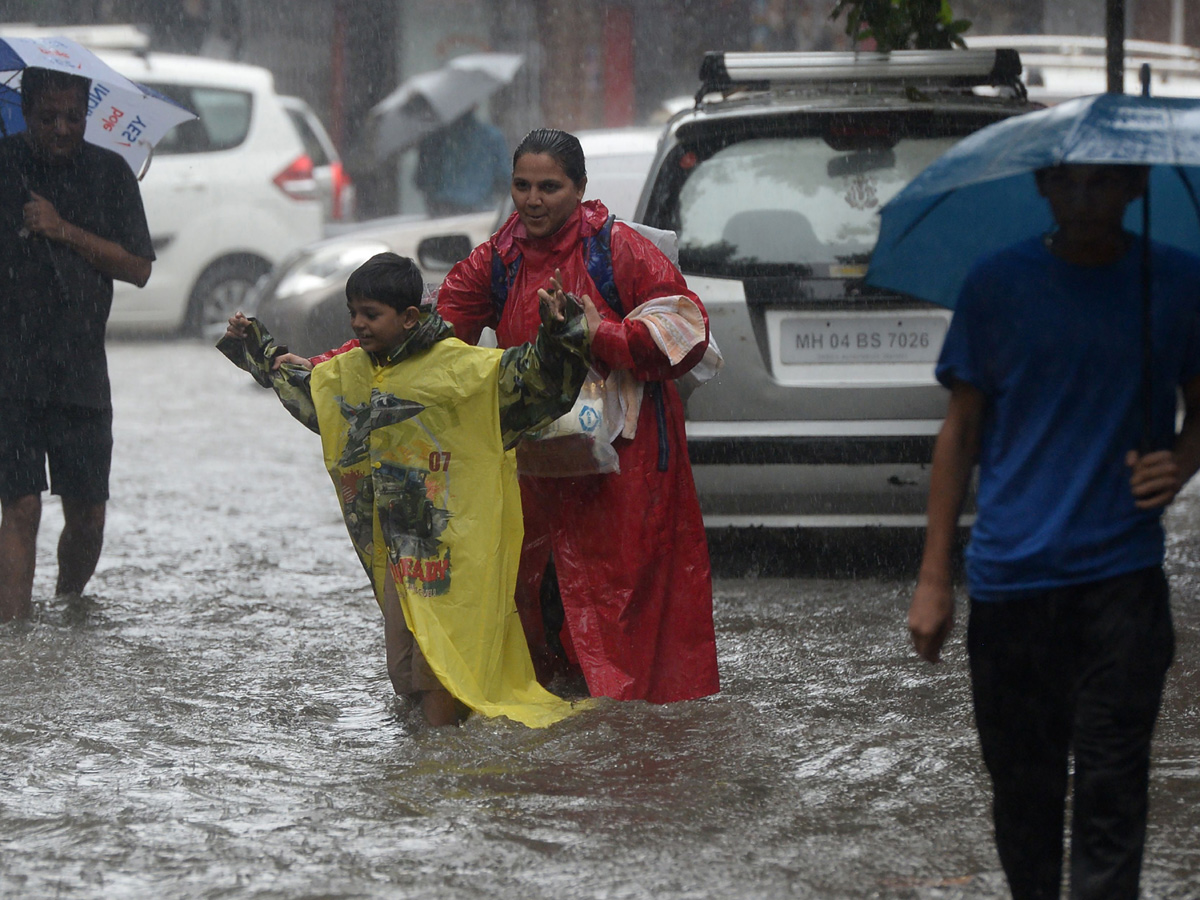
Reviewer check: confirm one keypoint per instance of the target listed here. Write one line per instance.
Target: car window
(617, 181)
(312, 144)
(792, 201)
(223, 123)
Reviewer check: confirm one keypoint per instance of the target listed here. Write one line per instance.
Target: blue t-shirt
(1056, 350)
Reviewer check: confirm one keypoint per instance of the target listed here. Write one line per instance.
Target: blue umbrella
(981, 195)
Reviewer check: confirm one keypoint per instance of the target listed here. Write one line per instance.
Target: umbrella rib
(921, 218)
(1191, 192)
(1068, 142)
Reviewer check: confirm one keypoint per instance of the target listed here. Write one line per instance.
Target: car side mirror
(441, 251)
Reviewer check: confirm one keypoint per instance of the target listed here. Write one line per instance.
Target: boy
(1069, 637)
(416, 427)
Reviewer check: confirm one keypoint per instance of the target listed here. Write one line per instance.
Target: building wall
(588, 65)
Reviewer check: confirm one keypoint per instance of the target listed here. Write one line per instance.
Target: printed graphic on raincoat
(418, 446)
(629, 547)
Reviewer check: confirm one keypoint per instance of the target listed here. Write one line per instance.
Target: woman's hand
(591, 315)
(291, 359)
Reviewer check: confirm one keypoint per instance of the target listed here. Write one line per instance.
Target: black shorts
(76, 439)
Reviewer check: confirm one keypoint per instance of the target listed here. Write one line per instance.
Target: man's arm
(108, 257)
(539, 381)
(1157, 477)
(931, 614)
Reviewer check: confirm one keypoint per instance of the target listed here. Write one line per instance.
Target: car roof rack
(721, 71)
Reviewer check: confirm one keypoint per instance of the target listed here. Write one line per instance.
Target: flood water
(220, 724)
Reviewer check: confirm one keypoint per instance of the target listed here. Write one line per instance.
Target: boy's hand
(1155, 478)
(239, 326)
(930, 618)
(553, 306)
(556, 304)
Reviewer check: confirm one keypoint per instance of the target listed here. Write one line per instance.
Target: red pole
(618, 66)
(337, 76)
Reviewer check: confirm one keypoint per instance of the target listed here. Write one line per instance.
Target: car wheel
(425, 528)
(220, 292)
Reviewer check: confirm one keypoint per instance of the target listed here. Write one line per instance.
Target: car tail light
(297, 179)
(341, 185)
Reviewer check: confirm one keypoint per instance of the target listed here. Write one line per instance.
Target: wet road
(220, 724)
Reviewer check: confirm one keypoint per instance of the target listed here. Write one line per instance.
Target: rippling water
(219, 722)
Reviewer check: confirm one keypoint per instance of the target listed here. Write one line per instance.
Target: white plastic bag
(580, 442)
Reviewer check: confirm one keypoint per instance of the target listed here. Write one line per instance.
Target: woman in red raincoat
(628, 548)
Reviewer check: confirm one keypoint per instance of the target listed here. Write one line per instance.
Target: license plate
(862, 339)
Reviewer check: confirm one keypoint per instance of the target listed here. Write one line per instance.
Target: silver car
(303, 301)
(826, 410)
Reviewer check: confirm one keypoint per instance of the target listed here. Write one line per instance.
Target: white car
(1058, 67)
(303, 302)
(226, 196)
(334, 186)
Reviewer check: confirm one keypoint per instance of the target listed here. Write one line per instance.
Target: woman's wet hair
(387, 278)
(562, 147)
(35, 81)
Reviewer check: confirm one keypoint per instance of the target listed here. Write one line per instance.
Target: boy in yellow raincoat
(416, 429)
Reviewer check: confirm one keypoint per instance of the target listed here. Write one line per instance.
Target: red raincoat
(629, 548)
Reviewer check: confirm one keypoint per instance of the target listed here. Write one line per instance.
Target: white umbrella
(123, 116)
(431, 100)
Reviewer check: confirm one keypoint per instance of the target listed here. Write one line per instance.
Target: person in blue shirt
(463, 167)
(1070, 635)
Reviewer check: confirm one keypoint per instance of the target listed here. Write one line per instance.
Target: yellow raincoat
(416, 447)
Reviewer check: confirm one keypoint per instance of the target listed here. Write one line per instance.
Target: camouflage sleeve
(256, 354)
(539, 381)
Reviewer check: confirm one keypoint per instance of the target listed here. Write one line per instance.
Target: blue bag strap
(597, 255)
(502, 279)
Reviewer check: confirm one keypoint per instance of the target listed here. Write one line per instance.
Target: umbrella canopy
(981, 196)
(123, 116)
(430, 100)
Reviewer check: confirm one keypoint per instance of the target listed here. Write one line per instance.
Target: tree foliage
(903, 24)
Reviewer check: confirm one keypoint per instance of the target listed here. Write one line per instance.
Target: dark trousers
(1072, 671)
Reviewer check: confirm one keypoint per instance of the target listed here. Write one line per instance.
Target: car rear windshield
(223, 124)
(772, 204)
(312, 144)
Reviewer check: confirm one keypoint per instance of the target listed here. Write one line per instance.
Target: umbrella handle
(1147, 440)
(1147, 330)
(145, 167)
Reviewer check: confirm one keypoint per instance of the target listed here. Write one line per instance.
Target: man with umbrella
(463, 167)
(71, 220)
(1070, 633)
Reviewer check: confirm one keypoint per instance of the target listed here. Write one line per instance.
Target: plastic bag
(580, 442)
